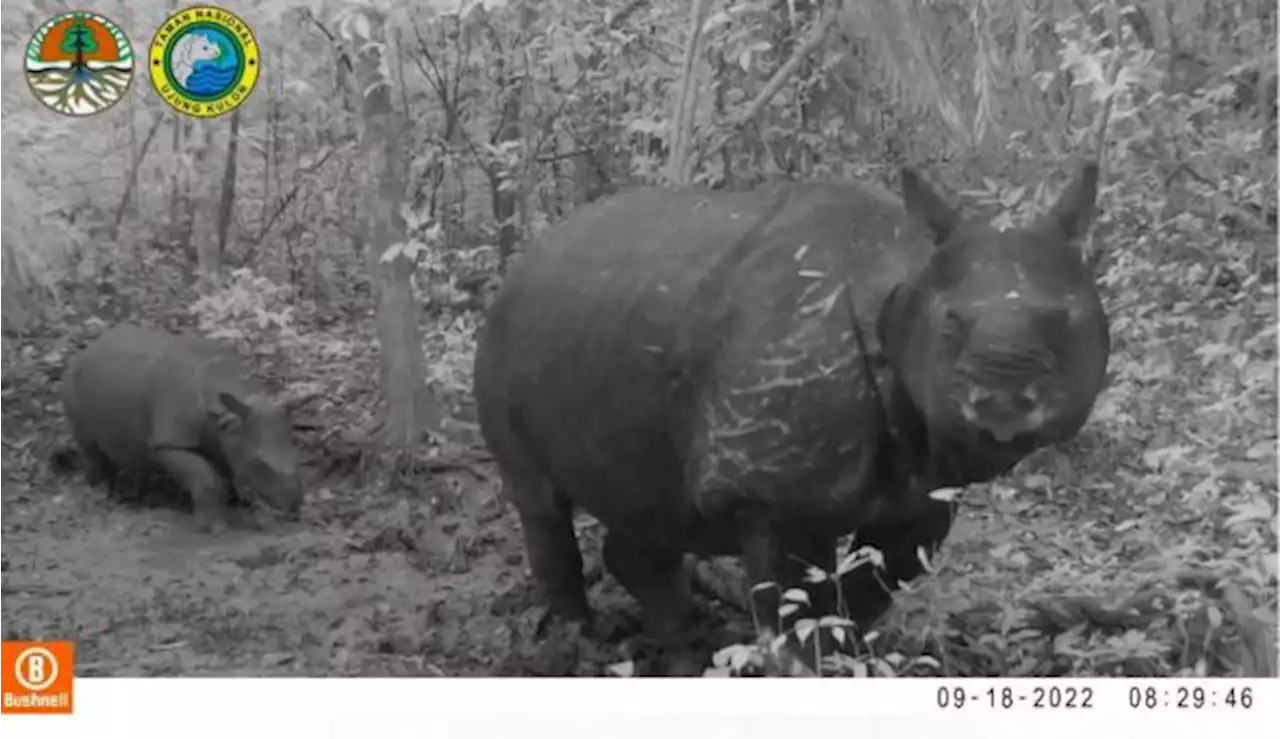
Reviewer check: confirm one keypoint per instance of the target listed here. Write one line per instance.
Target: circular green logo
(79, 63)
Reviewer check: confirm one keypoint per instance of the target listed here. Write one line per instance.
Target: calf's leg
(207, 488)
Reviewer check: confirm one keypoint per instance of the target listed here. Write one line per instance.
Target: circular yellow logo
(79, 63)
(204, 61)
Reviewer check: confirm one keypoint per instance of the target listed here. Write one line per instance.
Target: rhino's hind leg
(868, 591)
(98, 468)
(199, 478)
(546, 517)
(96, 465)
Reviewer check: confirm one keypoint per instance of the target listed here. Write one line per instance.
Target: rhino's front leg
(207, 488)
(776, 559)
(868, 590)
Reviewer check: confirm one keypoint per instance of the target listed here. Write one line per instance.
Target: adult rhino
(761, 373)
(140, 399)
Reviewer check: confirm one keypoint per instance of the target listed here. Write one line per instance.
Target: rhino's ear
(1074, 211)
(234, 404)
(925, 205)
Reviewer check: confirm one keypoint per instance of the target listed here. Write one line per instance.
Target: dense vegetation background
(346, 226)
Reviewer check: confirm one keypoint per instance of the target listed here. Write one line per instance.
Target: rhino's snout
(1005, 414)
(282, 494)
(288, 501)
(293, 512)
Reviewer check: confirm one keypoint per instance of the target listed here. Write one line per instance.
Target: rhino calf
(139, 399)
(761, 373)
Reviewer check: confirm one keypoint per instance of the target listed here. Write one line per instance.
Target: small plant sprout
(946, 495)
(814, 574)
(923, 555)
(838, 626)
(735, 657)
(757, 592)
(792, 600)
(805, 628)
(926, 660)
(859, 558)
(797, 669)
(845, 664)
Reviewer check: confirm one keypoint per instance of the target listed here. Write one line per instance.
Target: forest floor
(1146, 547)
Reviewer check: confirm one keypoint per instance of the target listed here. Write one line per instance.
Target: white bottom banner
(662, 708)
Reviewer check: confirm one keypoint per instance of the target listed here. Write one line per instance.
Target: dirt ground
(341, 593)
(351, 590)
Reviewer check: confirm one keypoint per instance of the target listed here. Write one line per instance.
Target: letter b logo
(36, 669)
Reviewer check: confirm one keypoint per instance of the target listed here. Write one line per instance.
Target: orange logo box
(37, 676)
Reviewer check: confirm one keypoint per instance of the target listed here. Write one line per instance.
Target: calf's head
(259, 448)
(1000, 342)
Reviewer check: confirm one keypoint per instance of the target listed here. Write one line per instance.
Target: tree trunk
(503, 186)
(682, 153)
(226, 206)
(201, 205)
(408, 405)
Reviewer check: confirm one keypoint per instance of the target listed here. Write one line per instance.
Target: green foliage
(248, 308)
(79, 39)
